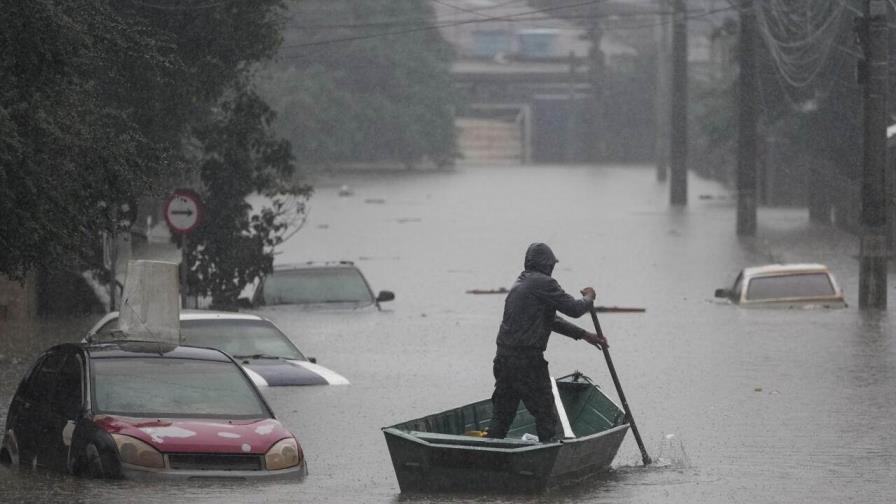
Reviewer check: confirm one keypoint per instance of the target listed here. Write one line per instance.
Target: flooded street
(737, 405)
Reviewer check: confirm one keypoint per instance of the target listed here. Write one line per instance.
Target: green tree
(241, 156)
(103, 102)
(68, 155)
(226, 127)
(348, 90)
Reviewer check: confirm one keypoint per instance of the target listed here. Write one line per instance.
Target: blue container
(538, 43)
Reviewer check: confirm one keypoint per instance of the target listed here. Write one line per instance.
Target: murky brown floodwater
(739, 405)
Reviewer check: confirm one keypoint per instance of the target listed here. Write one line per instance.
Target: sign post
(183, 212)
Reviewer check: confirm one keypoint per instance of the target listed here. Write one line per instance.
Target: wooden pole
(628, 412)
(678, 134)
(183, 271)
(873, 254)
(747, 104)
(661, 34)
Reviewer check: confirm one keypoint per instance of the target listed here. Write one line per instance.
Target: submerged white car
(785, 286)
(267, 355)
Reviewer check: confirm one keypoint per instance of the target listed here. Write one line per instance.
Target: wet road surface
(738, 405)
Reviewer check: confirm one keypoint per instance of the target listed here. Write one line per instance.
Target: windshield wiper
(258, 356)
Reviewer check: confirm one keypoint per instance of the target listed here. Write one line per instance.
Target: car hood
(283, 372)
(198, 436)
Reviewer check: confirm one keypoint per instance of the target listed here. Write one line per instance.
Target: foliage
(804, 126)
(69, 154)
(228, 130)
(104, 102)
(241, 157)
(378, 98)
(714, 124)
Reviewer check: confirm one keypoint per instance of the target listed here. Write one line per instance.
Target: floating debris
(323, 226)
(500, 290)
(619, 309)
(403, 220)
(375, 201)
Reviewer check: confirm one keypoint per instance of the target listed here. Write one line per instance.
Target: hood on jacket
(540, 258)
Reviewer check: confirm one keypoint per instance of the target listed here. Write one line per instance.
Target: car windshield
(239, 337)
(316, 285)
(163, 387)
(803, 285)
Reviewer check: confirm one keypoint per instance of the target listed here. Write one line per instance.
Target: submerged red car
(145, 409)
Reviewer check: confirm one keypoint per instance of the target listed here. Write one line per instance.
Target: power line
(799, 36)
(511, 18)
(429, 27)
(420, 21)
(508, 18)
(463, 9)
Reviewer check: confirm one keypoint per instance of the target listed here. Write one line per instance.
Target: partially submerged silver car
(316, 286)
(785, 286)
(267, 355)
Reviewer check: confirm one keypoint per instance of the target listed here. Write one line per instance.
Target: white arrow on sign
(182, 211)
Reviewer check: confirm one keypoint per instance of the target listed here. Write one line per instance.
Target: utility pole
(661, 145)
(678, 133)
(747, 105)
(572, 131)
(873, 73)
(596, 77)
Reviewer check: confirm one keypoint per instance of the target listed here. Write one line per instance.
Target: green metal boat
(443, 452)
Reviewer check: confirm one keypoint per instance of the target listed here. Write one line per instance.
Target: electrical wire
(799, 35)
(429, 27)
(464, 9)
(509, 17)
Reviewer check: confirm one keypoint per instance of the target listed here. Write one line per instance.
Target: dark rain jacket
(531, 306)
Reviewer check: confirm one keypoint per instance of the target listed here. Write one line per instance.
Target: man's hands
(598, 341)
(589, 294)
(594, 339)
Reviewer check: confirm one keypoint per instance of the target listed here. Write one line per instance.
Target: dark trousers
(523, 378)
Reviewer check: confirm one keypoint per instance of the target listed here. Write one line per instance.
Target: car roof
(217, 315)
(779, 269)
(134, 349)
(314, 265)
(201, 315)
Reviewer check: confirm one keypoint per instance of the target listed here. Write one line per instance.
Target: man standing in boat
(521, 373)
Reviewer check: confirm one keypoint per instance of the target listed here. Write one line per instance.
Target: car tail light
(285, 453)
(135, 452)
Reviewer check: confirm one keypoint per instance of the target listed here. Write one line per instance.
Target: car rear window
(316, 285)
(239, 337)
(802, 285)
(173, 388)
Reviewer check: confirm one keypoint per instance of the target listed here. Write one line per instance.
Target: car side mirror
(384, 296)
(312, 360)
(723, 293)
